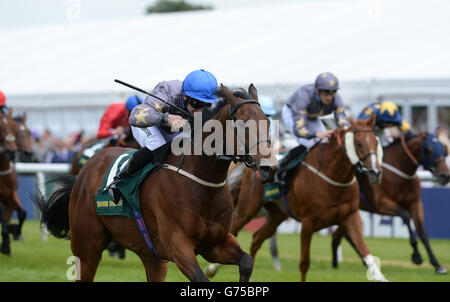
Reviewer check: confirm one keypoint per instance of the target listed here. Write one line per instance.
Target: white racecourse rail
(397, 229)
(39, 170)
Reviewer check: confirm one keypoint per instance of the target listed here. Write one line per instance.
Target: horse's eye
(359, 145)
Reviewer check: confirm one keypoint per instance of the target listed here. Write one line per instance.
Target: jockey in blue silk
(387, 115)
(152, 121)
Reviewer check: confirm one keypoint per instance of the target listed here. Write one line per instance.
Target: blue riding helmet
(326, 81)
(427, 158)
(389, 113)
(201, 85)
(267, 105)
(132, 102)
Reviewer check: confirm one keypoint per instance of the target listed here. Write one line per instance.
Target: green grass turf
(34, 260)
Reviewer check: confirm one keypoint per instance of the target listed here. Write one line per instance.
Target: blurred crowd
(48, 148)
(51, 149)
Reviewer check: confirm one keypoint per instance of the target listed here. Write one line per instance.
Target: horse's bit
(248, 159)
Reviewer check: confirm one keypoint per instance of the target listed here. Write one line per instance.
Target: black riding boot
(280, 176)
(138, 160)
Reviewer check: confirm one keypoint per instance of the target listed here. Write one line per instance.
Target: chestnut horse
(8, 178)
(398, 194)
(184, 215)
(336, 202)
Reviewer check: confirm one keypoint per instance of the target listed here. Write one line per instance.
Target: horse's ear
(423, 134)
(352, 121)
(336, 134)
(24, 117)
(228, 95)
(253, 92)
(10, 112)
(371, 121)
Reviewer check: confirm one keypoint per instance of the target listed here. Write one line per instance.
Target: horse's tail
(55, 210)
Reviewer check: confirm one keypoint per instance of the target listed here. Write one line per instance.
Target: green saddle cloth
(272, 191)
(129, 187)
(89, 152)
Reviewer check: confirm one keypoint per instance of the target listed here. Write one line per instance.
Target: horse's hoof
(211, 270)
(5, 249)
(416, 258)
(18, 237)
(440, 270)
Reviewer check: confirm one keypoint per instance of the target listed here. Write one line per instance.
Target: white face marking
(373, 160)
(22, 128)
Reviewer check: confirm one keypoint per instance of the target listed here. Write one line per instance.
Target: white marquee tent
(271, 45)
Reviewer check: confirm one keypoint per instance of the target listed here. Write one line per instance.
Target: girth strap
(195, 178)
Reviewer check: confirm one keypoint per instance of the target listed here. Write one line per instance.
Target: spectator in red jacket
(115, 119)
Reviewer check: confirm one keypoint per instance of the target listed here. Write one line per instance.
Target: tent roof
(278, 44)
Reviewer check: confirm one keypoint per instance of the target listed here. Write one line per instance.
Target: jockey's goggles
(329, 92)
(196, 104)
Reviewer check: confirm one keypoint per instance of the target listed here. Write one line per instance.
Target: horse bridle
(361, 166)
(247, 158)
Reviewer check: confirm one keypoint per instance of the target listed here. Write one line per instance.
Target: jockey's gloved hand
(324, 134)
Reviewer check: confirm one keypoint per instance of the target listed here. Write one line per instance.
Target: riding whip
(152, 95)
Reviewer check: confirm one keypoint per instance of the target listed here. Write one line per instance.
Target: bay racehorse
(322, 191)
(8, 178)
(185, 216)
(399, 193)
(24, 153)
(24, 139)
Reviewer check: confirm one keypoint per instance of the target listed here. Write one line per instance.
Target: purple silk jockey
(303, 109)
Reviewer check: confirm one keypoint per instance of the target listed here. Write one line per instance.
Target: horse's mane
(19, 118)
(210, 113)
(397, 141)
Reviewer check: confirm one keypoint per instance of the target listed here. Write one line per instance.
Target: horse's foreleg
(229, 252)
(250, 201)
(5, 246)
(273, 219)
(21, 215)
(305, 238)
(417, 215)
(184, 257)
(155, 269)
(353, 225)
(245, 211)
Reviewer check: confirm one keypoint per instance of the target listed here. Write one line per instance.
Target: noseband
(360, 163)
